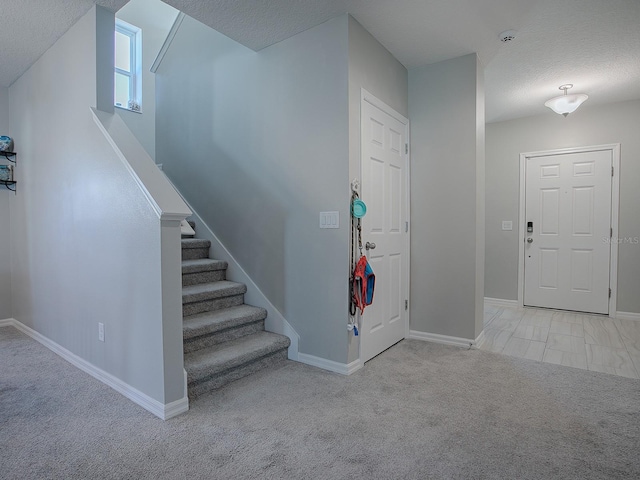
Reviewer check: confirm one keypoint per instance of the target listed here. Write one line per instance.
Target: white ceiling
(30, 27)
(594, 44)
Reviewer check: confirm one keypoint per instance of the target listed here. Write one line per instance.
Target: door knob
(370, 245)
(529, 240)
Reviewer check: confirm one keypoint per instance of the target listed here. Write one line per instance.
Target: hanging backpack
(364, 281)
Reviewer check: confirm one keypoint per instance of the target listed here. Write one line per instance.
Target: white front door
(384, 190)
(567, 228)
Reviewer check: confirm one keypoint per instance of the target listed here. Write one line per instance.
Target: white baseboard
(173, 409)
(628, 316)
(330, 365)
(501, 302)
(444, 339)
(164, 411)
(7, 322)
(480, 340)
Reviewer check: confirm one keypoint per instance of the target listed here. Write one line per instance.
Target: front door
(567, 222)
(384, 190)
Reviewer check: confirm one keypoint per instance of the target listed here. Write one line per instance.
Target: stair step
(212, 328)
(211, 296)
(203, 265)
(192, 234)
(208, 291)
(223, 339)
(193, 248)
(203, 270)
(212, 368)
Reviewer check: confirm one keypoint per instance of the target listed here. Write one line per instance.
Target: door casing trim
(614, 148)
(365, 96)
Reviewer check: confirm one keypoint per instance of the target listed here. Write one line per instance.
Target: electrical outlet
(101, 332)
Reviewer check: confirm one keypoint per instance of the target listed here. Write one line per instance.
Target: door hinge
(612, 171)
(609, 293)
(611, 232)
(406, 304)
(406, 148)
(406, 227)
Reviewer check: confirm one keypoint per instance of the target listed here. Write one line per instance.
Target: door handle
(529, 240)
(370, 245)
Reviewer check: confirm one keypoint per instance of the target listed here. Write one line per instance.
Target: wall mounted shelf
(12, 158)
(9, 156)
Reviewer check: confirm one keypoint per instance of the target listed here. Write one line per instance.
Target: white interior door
(567, 253)
(384, 190)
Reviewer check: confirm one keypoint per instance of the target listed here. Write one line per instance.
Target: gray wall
(258, 145)
(614, 123)
(373, 68)
(445, 108)
(155, 18)
(86, 244)
(5, 219)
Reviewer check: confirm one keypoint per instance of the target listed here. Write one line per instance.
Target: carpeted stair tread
(223, 338)
(195, 243)
(193, 248)
(219, 320)
(208, 291)
(206, 363)
(202, 265)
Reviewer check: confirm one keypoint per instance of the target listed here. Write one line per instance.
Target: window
(128, 66)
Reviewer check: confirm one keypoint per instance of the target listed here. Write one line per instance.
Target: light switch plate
(507, 225)
(329, 219)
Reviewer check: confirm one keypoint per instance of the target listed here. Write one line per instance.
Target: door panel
(581, 270)
(568, 199)
(550, 211)
(549, 268)
(583, 210)
(384, 190)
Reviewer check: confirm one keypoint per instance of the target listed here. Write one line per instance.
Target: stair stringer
(275, 321)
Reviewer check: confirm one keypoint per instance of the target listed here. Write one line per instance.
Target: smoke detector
(508, 35)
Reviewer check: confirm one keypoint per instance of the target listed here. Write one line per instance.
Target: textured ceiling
(417, 32)
(30, 27)
(594, 44)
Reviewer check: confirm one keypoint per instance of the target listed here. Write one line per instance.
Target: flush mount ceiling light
(566, 104)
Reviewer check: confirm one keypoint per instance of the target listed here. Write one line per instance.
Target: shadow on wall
(258, 144)
(230, 199)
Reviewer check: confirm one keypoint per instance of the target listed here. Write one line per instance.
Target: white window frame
(135, 55)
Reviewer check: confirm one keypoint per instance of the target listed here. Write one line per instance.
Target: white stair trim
(7, 322)
(160, 194)
(480, 340)
(275, 321)
(167, 42)
(185, 228)
(445, 339)
(163, 411)
(330, 365)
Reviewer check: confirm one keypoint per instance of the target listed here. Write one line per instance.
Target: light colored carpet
(418, 411)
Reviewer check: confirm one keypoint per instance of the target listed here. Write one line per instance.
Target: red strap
(360, 284)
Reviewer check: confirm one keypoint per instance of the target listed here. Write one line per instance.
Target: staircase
(224, 339)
